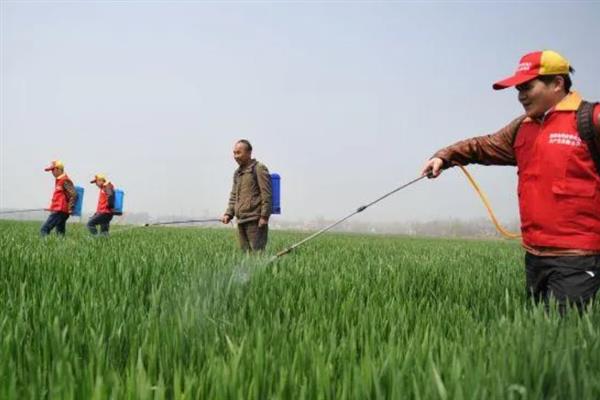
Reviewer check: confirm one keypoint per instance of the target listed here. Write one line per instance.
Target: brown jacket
(494, 149)
(250, 197)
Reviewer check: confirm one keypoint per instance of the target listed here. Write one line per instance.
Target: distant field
(158, 313)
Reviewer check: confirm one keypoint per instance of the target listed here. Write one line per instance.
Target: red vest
(60, 198)
(559, 186)
(103, 207)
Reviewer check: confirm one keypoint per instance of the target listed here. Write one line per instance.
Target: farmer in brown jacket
(250, 199)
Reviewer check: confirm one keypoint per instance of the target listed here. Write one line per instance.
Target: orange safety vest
(559, 186)
(60, 197)
(103, 207)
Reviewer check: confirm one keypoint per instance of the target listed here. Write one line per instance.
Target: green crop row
(179, 313)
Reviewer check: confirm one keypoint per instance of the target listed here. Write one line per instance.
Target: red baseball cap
(534, 64)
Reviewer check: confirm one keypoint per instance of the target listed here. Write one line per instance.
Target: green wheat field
(179, 313)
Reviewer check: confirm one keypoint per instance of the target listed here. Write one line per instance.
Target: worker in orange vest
(63, 200)
(104, 210)
(555, 146)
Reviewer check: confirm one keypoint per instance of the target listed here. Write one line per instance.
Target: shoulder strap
(585, 127)
(255, 174)
(514, 127)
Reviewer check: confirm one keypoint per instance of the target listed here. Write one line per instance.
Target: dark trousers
(56, 220)
(572, 280)
(99, 219)
(251, 237)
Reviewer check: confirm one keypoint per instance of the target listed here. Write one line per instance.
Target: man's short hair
(246, 143)
(566, 77)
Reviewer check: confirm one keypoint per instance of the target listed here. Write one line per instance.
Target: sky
(345, 100)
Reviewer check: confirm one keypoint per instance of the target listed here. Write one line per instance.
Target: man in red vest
(106, 203)
(63, 200)
(555, 146)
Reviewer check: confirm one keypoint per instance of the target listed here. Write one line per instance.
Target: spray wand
(336, 223)
(22, 211)
(187, 221)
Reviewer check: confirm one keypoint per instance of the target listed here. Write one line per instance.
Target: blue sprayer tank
(119, 197)
(276, 193)
(79, 202)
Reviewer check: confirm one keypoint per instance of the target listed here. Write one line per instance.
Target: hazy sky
(345, 100)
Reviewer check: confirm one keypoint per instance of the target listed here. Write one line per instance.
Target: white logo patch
(590, 273)
(526, 66)
(569, 139)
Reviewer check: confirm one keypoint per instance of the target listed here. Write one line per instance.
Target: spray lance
(187, 221)
(336, 223)
(22, 211)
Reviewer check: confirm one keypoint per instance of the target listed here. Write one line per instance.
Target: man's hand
(433, 167)
(263, 221)
(225, 218)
